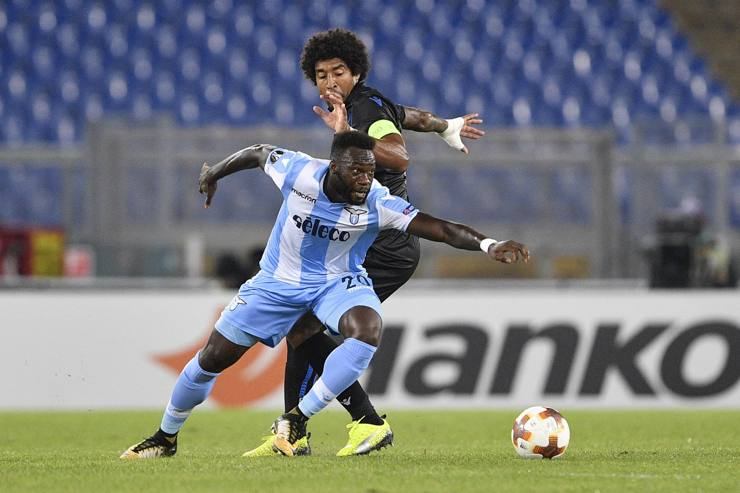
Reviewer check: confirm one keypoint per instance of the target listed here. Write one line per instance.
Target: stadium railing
(584, 204)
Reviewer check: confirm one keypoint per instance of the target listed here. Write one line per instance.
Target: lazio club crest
(354, 214)
(235, 302)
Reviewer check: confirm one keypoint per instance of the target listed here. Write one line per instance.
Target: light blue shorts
(265, 309)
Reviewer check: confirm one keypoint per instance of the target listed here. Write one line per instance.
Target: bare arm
(248, 158)
(464, 237)
(390, 152)
(452, 131)
(418, 120)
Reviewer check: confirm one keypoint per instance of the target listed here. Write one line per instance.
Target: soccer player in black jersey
(336, 61)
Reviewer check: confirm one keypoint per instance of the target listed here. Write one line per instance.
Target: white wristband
(486, 243)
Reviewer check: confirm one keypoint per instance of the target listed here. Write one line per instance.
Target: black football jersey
(366, 106)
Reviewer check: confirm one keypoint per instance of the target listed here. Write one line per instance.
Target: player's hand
(469, 131)
(462, 127)
(336, 119)
(509, 252)
(206, 184)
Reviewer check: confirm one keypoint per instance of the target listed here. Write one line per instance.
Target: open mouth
(359, 195)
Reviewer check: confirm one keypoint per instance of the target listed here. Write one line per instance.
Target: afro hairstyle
(335, 43)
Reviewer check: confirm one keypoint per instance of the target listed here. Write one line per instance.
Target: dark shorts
(387, 279)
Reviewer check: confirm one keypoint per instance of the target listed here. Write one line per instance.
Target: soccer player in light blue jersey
(331, 213)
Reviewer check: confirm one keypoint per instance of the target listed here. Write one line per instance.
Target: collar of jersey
(354, 94)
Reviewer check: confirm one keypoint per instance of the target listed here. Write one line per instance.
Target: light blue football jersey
(315, 240)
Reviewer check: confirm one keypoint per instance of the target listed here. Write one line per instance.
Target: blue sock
(343, 366)
(192, 387)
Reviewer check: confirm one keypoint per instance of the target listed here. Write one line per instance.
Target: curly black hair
(335, 43)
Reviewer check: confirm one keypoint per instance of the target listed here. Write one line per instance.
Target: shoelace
(352, 427)
(148, 443)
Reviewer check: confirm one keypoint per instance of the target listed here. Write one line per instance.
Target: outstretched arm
(452, 131)
(249, 158)
(464, 237)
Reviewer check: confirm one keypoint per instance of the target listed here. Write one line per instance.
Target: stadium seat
(141, 57)
(29, 196)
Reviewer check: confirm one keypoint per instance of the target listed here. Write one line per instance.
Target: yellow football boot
(268, 448)
(364, 438)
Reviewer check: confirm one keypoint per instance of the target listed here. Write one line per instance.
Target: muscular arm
(390, 152)
(456, 235)
(248, 158)
(452, 131)
(464, 237)
(418, 120)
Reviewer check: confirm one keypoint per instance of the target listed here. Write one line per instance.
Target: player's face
(355, 170)
(334, 75)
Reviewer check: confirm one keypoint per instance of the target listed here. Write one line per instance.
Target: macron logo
(304, 196)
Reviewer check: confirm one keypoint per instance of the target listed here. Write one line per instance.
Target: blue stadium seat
(164, 90)
(188, 109)
(13, 129)
(141, 57)
(28, 196)
(195, 21)
(117, 96)
(571, 191)
(236, 105)
(142, 106)
(501, 194)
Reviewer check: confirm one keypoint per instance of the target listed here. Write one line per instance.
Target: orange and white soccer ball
(540, 432)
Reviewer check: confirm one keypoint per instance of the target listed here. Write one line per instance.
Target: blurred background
(612, 150)
(613, 144)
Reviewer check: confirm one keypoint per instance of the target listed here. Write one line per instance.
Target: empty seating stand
(521, 63)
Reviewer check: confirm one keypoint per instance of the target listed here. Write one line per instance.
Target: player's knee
(369, 333)
(362, 323)
(211, 359)
(219, 353)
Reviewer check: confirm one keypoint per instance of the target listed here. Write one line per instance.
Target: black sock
(354, 399)
(358, 405)
(297, 412)
(168, 436)
(296, 368)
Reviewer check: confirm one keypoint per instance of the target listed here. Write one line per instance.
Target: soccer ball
(540, 432)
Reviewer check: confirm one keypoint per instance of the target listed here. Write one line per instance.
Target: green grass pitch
(451, 451)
